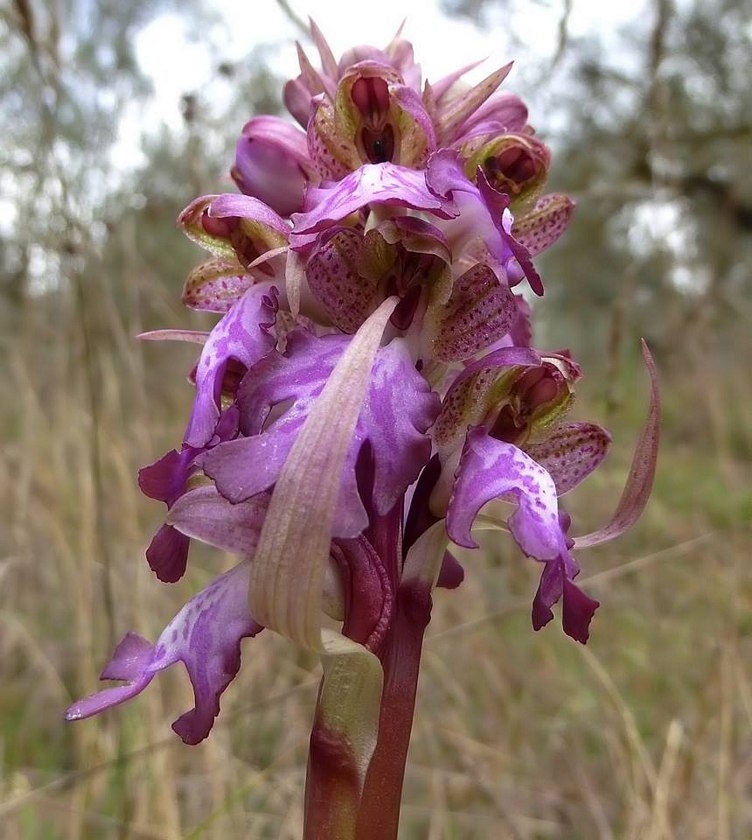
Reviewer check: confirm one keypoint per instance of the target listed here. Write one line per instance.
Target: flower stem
(331, 795)
(378, 818)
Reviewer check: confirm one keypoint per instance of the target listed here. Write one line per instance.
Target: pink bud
(272, 164)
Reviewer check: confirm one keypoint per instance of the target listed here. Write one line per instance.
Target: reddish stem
(331, 795)
(335, 808)
(378, 818)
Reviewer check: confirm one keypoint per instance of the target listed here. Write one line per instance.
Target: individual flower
(501, 435)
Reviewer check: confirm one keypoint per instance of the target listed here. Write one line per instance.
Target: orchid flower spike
(369, 396)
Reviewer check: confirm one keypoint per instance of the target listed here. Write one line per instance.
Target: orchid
(368, 399)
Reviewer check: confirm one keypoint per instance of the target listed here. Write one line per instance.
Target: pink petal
(205, 635)
(458, 109)
(539, 228)
(570, 453)
(205, 515)
(480, 311)
(243, 335)
(376, 183)
(492, 469)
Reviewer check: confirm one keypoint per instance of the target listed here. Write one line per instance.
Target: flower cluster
(372, 377)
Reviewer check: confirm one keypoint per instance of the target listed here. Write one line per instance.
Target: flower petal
(451, 573)
(376, 183)
(578, 609)
(294, 545)
(473, 392)
(167, 554)
(501, 113)
(208, 222)
(214, 286)
(205, 635)
(205, 515)
(480, 311)
(244, 335)
(272, 163)
(459, 108)
(393, 421)
(540, 227)
(333, 277)
(570, 453)
(492, 469)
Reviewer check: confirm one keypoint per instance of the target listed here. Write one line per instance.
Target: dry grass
(643, 734)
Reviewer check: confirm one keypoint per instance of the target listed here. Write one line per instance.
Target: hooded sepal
(373, 118)
(272, 164)
(237, 227)
(214, 286)
(514, 164)
(540, 226)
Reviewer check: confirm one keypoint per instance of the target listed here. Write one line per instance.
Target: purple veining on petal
(378, 183)
(205, 635)
(394, 421)
(243, 334)
(492, 469)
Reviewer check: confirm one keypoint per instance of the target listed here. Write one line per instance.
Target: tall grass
(646, 733)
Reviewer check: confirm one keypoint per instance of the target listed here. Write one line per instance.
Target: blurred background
(115, 115)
